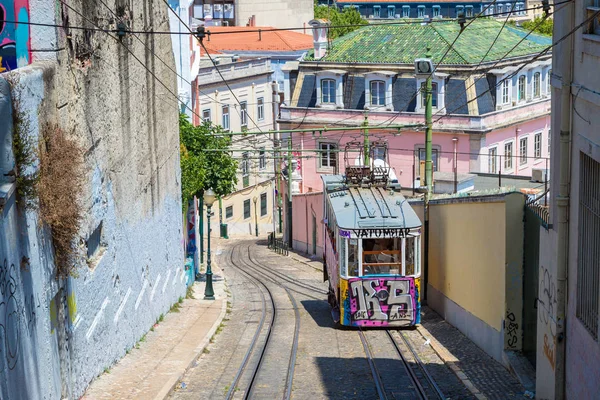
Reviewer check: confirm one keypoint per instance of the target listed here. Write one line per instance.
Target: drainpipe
(562, 199)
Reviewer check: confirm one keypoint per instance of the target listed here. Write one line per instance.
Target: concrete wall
(476, 271)
(305, 207)
(276, 13)
(59, 335)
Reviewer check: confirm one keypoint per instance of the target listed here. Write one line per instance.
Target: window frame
(434, 95)
(263, 196)
(537, 145)
(536, 85)
(420, 11)
(376, 11)
(523, 158)
(505, 92)
(229, 212)
(331, 153)
(436, 11)
(262, 159)
(245, 164)
(405, 11)
(206, 118)
(435, 157)
(522, 79)
(225, 117)
(508, 158)
(381, 98)
(468, 11)
(393, 11)
(330, 82)
(247, 203)
(260, 108)
(493, 159)
(244, 113)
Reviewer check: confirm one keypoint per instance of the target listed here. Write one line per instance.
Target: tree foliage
(350, 16)
(202, 169)
(538, 25)
(541, 26)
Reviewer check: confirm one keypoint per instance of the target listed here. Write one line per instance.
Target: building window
(508, 7)
(246, 209)
(206, 115)
(260, 108)
(505, 91)
(549, 82)
(391, 11)
(405, 11)
(377, 11)
(523, 151)
(244, 113)
(328, 91)
(379, 153)
(229, 212)
(434, 94)
(537, 145)
(262, 159)
(499, 10)
(469, 11)
(588, 267)
(225, 118)
(508, 155)
(377, 93)
(537, 77)
(328, 155)
(436, 11)
(492, 162)
(263, 204)
(521, 88)
(434, 157)
(245, 169)
(460, 10)
(420, 11)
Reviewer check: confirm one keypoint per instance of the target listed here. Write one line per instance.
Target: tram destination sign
(376, 232)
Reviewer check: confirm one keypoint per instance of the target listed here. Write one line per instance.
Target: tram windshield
(383, 256)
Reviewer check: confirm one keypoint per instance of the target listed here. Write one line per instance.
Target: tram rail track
(251, 264)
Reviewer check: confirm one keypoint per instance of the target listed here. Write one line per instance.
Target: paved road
(328, 361)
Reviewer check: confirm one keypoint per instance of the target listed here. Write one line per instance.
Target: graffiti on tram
(386, 301)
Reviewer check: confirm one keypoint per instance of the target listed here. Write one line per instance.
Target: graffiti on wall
(512, 329)
(386, 301)
(15, 41)
(547, 313)
(17, 317)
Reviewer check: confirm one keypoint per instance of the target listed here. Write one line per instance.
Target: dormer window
(521, 88)
(378, 90)
(437, 93)
(434, 94)
(537, 81)
(328, 91)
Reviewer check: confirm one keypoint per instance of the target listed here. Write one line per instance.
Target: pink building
(491, 105)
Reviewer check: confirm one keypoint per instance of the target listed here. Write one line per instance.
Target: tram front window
(382, 256)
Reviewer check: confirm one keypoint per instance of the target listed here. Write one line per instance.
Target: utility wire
(540, 54)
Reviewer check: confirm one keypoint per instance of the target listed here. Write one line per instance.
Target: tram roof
(368, 207)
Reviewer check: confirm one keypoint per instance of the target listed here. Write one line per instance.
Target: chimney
(320, 27)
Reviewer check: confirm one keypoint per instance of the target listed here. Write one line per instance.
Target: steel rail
(242, 368)
(376, 377)
(418, 387)
(292, 363)
(428, 376)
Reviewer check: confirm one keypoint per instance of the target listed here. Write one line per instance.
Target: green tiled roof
(393, 44)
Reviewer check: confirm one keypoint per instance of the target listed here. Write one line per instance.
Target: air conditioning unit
(539, 175)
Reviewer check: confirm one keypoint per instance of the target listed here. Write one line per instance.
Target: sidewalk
(152, 370)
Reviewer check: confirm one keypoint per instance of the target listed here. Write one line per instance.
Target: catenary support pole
(289, 193)
(428, 173)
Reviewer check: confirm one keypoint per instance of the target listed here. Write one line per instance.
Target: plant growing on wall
(202, 169)
(59, 187)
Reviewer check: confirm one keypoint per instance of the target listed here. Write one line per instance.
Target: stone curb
(172, 383)
(443, 353)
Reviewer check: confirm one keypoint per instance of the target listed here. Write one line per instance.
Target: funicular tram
(372, 244)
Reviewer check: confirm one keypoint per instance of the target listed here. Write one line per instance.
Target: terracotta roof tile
(245, 38)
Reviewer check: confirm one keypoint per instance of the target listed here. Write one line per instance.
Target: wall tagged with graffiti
(15, 41)
(382, 302)
(547, 313)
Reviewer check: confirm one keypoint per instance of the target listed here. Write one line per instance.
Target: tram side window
(353, 257)
(412, 256)
(342, 257)
(382, 256)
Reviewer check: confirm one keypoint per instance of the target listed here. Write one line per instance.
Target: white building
(247, 107)
(568, 351)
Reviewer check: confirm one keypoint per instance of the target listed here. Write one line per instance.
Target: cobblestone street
(330, 362)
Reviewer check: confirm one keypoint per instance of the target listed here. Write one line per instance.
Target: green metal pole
(209, 293)
(366, 139)
(201, 227)
(289, 210)
(255, 217)
(428, 173)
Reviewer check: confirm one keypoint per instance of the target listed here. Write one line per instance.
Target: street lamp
(255, 217)
(209, 199)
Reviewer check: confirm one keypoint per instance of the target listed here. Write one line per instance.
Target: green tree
(350, 16)
(202, 169)
(539, 25)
